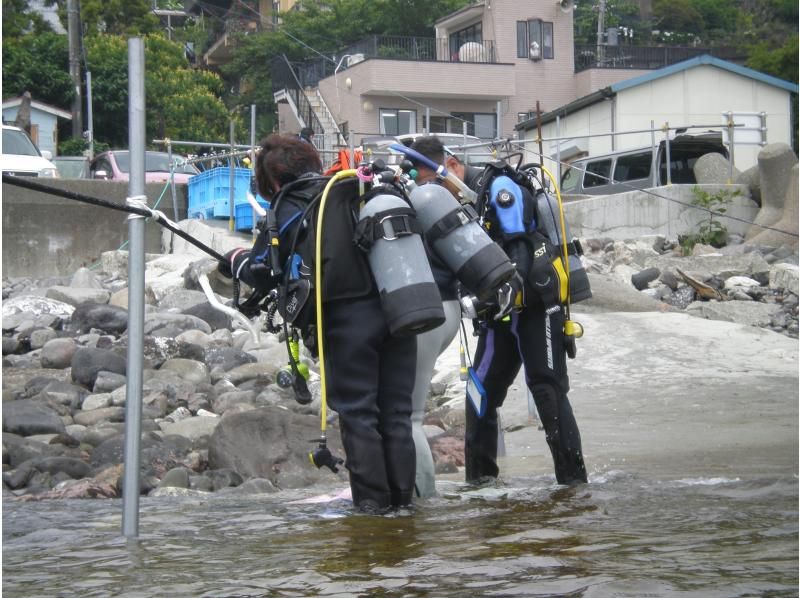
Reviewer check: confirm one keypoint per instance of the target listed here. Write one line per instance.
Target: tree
(19, 19)
(115, 17)
(181, 103)
(39, 64)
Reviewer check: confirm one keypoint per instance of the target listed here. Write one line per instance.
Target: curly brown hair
(281, 160)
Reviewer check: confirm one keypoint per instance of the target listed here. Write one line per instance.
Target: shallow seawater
(620, 535)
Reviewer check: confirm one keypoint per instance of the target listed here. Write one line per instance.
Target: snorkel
(466, 195)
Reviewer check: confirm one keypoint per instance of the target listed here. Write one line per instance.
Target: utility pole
(601, 23)
(74, 33)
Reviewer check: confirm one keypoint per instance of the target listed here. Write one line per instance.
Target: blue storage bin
(243, 214)
(209, 191)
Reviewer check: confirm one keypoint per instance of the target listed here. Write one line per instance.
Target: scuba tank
(453, 233)
(546, 222)
(388, 231)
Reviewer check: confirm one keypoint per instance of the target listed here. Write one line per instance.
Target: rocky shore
(215, 420)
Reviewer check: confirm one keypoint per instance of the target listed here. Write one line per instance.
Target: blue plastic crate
(209, 191)
(243, 214)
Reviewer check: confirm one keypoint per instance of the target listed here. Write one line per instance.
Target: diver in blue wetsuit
(526, 328)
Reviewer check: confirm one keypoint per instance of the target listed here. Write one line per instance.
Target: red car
(115, 165)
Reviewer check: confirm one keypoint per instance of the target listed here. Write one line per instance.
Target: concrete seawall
(45, 235)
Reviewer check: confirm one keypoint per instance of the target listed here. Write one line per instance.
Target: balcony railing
(393, 47)
(643, 57)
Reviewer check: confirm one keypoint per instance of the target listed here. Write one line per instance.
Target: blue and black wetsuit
(532, 337)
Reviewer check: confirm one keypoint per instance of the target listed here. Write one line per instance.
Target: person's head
(307, 133)
(432, 148)
(281, 160)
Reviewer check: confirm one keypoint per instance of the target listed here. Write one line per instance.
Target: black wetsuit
(369, 372)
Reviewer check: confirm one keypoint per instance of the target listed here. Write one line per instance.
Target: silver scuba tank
(410, 297)
(453, 233)
(548, 221)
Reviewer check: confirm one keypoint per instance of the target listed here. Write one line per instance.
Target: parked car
(21, 157)
(72, 167)
(633, 169)
(115, 165)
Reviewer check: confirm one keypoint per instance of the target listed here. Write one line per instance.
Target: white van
(21, 157)
(633, 169)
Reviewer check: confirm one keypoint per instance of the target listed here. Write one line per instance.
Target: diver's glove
(510, 296)
(231, 261)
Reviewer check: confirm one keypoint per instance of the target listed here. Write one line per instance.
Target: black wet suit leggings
(370, 378)
(534, 338)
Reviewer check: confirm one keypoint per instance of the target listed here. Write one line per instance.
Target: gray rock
(96, 401)
(87, 363)
(784, 276)
(713, 169)
(681, 298)
(251, 486)
(268, 443)
(98, 434)
(231, 400)
(40, 337)
(58, 353)
(195, 337)
(10, 345)
(177, 477)
(201, 483)
(215, 319)
(182, 300)
(752, 180)
(775, 163)
(27, 417)
(63, 393)
(100, 416)
(108, 318)
(226, 357)
(750, 313)
(76, 296)
(189, 370)
(107, 381)
(264, 372)
(171, 324)
(74, 468)
(34, 305)
(193, 428)
(642, 279)
(85, 279)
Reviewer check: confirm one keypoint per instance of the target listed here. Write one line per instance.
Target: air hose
(322, 455)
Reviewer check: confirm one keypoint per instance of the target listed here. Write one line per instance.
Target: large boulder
(100, 316)
(88, 362)
(775, 164)
(270, 443)
(27, 417)
(784, 230)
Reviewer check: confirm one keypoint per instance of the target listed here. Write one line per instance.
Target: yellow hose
(563, 231)
(323, 411)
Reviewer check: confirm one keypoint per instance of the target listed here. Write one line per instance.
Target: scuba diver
(370, 369)
(524, 326)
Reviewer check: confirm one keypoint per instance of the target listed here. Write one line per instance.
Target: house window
(535, 39)
(473, 33)
(397, 122)
(483, 125)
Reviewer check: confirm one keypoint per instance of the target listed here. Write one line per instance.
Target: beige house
(485, 71)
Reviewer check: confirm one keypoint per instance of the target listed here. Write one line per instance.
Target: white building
(695, 92)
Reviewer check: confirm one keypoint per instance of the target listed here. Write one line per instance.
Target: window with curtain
(535, 39)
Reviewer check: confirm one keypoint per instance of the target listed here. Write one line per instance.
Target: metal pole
(464, 150)
(253, 230)
(558, 150)
(231, 180)
(172, 183)
(539, 133)
(669, 160)
(136, 188)
(499, 121)
(351, 148)
(654, 159)
(427, 120)
(730, 146)
(89, 113)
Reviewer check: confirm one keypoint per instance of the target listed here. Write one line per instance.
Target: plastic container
(209, 191)
(243, 214)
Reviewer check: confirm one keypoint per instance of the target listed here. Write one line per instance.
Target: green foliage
(18, 19)
(711, 232)
(779, 62)
(39, 64)
(182, 103)
(114, 17)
